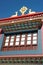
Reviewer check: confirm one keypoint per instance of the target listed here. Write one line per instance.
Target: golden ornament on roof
(23, 10)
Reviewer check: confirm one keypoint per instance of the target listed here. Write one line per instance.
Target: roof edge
(16, 17)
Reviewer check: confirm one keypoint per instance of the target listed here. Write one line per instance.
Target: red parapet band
(22, 16)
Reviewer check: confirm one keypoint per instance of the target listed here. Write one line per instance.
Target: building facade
(21, 39)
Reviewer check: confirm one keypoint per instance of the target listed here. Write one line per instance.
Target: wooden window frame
(20, 47)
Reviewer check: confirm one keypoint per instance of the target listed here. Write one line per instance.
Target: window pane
(17, 39)
(22, 42)
(28, 42)
(12, 36)
(28, 38)
(6, 44)
(22, 39)
(18, 36)
(34, 38)
(29, 35)
(34, 42)
(35, 34)
(23, 35)
(7, 37)
(7, 40)
(16, 43)
(12, 40)
(11, 43)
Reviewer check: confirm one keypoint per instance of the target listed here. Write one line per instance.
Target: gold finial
(23, 10)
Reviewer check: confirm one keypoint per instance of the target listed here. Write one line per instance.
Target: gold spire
(23, 10)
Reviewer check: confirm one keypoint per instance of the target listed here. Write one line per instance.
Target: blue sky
(9, 7)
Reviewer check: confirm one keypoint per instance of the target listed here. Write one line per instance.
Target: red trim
(23, 55)
(26, 15)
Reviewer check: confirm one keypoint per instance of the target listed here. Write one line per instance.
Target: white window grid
(7, 40)
(12, 40)
(31, 39)
(23, 39)
(17, 40)
(35, 40)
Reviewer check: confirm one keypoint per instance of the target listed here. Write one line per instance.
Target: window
(27, 39)
(32, 39)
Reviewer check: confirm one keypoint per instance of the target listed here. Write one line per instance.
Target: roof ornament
(30, 11)
(23, 10)
(16, 13)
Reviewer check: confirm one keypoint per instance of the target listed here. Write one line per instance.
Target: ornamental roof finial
(23, 10)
